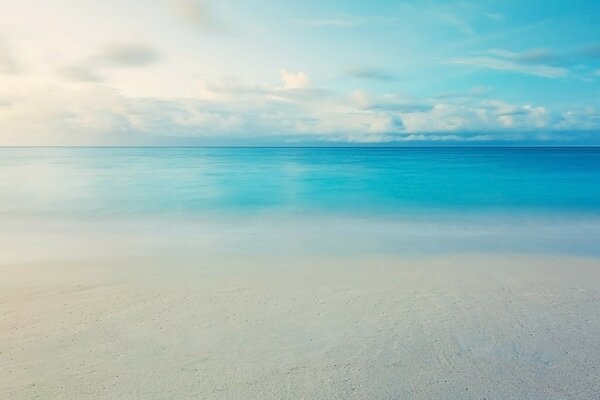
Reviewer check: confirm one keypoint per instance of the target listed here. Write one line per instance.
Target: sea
(330, 200)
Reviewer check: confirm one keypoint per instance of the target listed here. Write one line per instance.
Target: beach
(158, 317)
(300, 200)
(469, 326)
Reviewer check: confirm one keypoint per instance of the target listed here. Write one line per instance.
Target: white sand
(459, 327)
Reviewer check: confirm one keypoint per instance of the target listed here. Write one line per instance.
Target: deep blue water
(394, 181)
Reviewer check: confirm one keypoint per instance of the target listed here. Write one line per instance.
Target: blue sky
(311, 72)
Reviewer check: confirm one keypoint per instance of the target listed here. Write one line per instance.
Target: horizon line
(299, 147)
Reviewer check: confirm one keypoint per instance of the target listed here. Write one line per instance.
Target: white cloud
(298, 80)
(483, 116)
(229, 109)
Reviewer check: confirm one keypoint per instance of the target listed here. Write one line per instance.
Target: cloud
(533, 56)
(373, 74)
(219, 110)
(475, 92)
(588, 119)
(485, 116)
(576, 63)
(529, 63)
(298, 80)
(110, 56)
(228, 110)
(462, 16)
(459, 23)
(391, 103)
(128, 55)
(8, 62)
(80, 74)
(196, 13)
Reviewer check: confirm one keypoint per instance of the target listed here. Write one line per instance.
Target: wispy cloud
(457, 22)
(128, 54)
(577, 62)
(80, 74)
(532, 56)
(512, 31)
(374, 74)
(197, 13)
(530, 62)
(474, 92)
(110, 56)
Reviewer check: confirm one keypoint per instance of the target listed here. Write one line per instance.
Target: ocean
(386, 199)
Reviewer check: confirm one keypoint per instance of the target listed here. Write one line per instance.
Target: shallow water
(370, 199)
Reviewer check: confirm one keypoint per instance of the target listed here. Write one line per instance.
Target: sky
(315, 72)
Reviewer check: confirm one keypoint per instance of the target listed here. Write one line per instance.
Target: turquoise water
(336, 202)
(355, 181)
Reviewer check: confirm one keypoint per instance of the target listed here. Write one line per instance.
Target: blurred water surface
(347, 181)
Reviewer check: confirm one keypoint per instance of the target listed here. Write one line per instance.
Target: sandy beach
(468, 326)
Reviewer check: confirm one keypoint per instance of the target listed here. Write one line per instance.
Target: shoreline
(308, 236)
